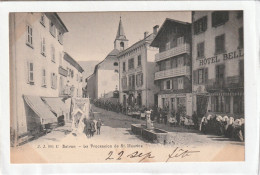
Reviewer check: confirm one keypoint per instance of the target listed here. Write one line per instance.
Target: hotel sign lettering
(226, 56)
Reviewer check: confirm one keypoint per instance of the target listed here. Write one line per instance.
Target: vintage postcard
(127, 87)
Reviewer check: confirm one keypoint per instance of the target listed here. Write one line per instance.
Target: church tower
(120, 42)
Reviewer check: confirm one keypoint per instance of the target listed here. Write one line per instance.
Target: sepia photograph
(127, 87)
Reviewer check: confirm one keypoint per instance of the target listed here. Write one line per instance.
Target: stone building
(136, 73)
(218, 62)
(105, 79)
(173, 66)
(36, 47)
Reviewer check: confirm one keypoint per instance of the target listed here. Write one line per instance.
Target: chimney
(155, 28)
(145, 34)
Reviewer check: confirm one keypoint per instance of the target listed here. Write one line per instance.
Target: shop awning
(40, 108)
(56, 105)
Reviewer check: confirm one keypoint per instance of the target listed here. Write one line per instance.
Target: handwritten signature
(177, 153)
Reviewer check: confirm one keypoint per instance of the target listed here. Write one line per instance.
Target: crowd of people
(91, 127)
(210, 123)
(223, 126)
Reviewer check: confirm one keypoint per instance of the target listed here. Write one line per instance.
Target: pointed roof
(120, 31)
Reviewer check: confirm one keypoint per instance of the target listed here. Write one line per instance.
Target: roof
(111, 54)
(54, 17)
(120, 31)
(40, 108)
(155, 42)
(147, 39)
(74, 63)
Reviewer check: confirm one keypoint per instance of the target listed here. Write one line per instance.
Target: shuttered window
(220, 44)
(30, 72)
(43, 77)
(200, 50)
(219, 18)
(29, 39)
(200, 25)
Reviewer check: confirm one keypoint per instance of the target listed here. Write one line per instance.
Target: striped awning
(56, 105)
(40, 108)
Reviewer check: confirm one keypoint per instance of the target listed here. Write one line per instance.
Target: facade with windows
(136, 73)
(34, 52)
(173, 65)
(70, 83)
(105, 79)
(218, 62)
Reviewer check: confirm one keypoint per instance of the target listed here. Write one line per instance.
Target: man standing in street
(98, 126)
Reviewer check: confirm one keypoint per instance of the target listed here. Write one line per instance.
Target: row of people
(227, 126)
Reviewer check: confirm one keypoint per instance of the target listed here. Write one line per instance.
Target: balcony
(224, 84)
(63, 71)
(128, 88)
(185, 48)
(175, 72)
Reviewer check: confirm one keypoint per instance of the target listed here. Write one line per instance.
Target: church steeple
(120, 42)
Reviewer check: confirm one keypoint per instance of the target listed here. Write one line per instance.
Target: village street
(116, 129)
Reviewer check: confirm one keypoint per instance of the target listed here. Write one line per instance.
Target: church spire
(120, 31)
(120, 42)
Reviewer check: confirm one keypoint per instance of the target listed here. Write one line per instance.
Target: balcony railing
(184, 48)
(180, 71)
(128, 88)
(227, 83)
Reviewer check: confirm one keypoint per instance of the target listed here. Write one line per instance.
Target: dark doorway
(202, 104)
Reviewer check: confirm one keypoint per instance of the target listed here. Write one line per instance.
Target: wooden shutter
(195, 76)
(206, 75)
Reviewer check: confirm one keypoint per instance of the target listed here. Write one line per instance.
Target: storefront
(173, 101)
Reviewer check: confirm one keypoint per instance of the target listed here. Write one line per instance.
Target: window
(200, 25)
(167, 45)
(60, 59)
(116, 71)
(30, 73)
(200, 50)
(42, 20)
(53, 81)
(43, 78)
(115, 64)
(174, 43)
(124, 82)
(241, 38)
(180, 41)
(219, 18)
(175, 83)
(227, 104)
(52, 29)
(131, 81)
(174, 63)
(173, 104)
(163, 65)
(180, 83)
(220, 73)
(220, 44)
(52, 54)
(139, 60)
(60, 38)
(131, 63)
(123, 66)
(139, 79)
(180, 62)
(238, 104)
(29, 39)
(167, 84)
(43, 47)
(122, 46)
(201, 76)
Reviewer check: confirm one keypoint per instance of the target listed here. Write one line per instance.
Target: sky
(91, 34)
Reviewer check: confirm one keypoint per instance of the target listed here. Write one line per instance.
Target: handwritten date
(135, 154)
